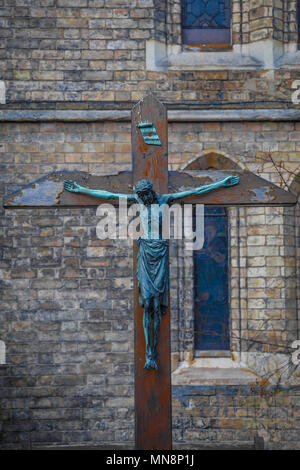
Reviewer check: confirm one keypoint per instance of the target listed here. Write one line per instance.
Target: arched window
(211, 268)
(206, 23)
(211, 294)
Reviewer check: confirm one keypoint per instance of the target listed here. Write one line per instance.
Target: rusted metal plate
(251, 191)
(153, 429)
(49, 191)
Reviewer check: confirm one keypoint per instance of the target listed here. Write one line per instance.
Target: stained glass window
(211, 300)
(206, 22)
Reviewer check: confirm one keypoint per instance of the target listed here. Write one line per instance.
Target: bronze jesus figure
(152, 264)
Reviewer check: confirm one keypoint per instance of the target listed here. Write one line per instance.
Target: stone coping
(175, 115)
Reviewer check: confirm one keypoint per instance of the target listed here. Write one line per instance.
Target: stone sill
(245, 368)
(225, 60)
(290, 60)
(213, 376)
(213, 371)
(160, 57)
(268, 54)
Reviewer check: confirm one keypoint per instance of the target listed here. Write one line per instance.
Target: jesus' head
(144, 190)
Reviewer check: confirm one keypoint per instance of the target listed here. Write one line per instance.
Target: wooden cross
(150, 161)
(153, 420)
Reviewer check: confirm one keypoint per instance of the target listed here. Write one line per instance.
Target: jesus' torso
(151, 217)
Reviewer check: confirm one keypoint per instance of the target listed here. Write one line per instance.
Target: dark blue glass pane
(211, 284)
(197, 8)
(206, 14)
(190, 18)
(213, 8)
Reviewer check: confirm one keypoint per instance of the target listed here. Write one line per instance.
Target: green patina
(153, 266)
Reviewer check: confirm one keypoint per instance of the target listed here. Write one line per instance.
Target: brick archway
(212, 161)
(295, 186)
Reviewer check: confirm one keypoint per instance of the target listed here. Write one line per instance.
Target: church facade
(229, 74)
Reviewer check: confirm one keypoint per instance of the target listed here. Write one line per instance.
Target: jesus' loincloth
(153, 271)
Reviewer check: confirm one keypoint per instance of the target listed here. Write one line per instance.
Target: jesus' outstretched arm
(229, 181)
(74, 187)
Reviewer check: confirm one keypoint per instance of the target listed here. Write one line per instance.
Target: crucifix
(150, 183)
(151, 273)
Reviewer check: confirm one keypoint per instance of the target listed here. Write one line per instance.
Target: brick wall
(67, 323)
(90, 54)
(263, 308)
(233, 417)
(290, 21)
(30, 150)
(67, 318)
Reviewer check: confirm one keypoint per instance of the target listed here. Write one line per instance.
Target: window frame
(216, 352)
(190, 41)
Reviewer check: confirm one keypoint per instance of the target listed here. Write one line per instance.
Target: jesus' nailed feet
(150, 360)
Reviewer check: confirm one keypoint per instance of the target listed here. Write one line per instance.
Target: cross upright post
(149, 142)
